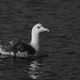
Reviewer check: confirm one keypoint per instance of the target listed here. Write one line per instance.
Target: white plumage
(21, 49)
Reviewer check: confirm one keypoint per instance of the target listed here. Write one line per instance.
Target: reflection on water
(34, 70)
(21, 68)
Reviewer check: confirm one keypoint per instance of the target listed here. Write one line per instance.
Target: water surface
(61, 44)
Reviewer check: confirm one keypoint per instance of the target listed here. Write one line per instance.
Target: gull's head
(38, 28)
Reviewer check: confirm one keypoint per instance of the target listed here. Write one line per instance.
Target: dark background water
(61, 44)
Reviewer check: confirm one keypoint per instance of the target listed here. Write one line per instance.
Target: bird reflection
(35, 65)
(34, 70)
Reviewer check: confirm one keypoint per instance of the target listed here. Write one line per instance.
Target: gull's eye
(38, 27)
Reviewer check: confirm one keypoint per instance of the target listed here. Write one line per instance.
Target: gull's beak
(46, 29)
